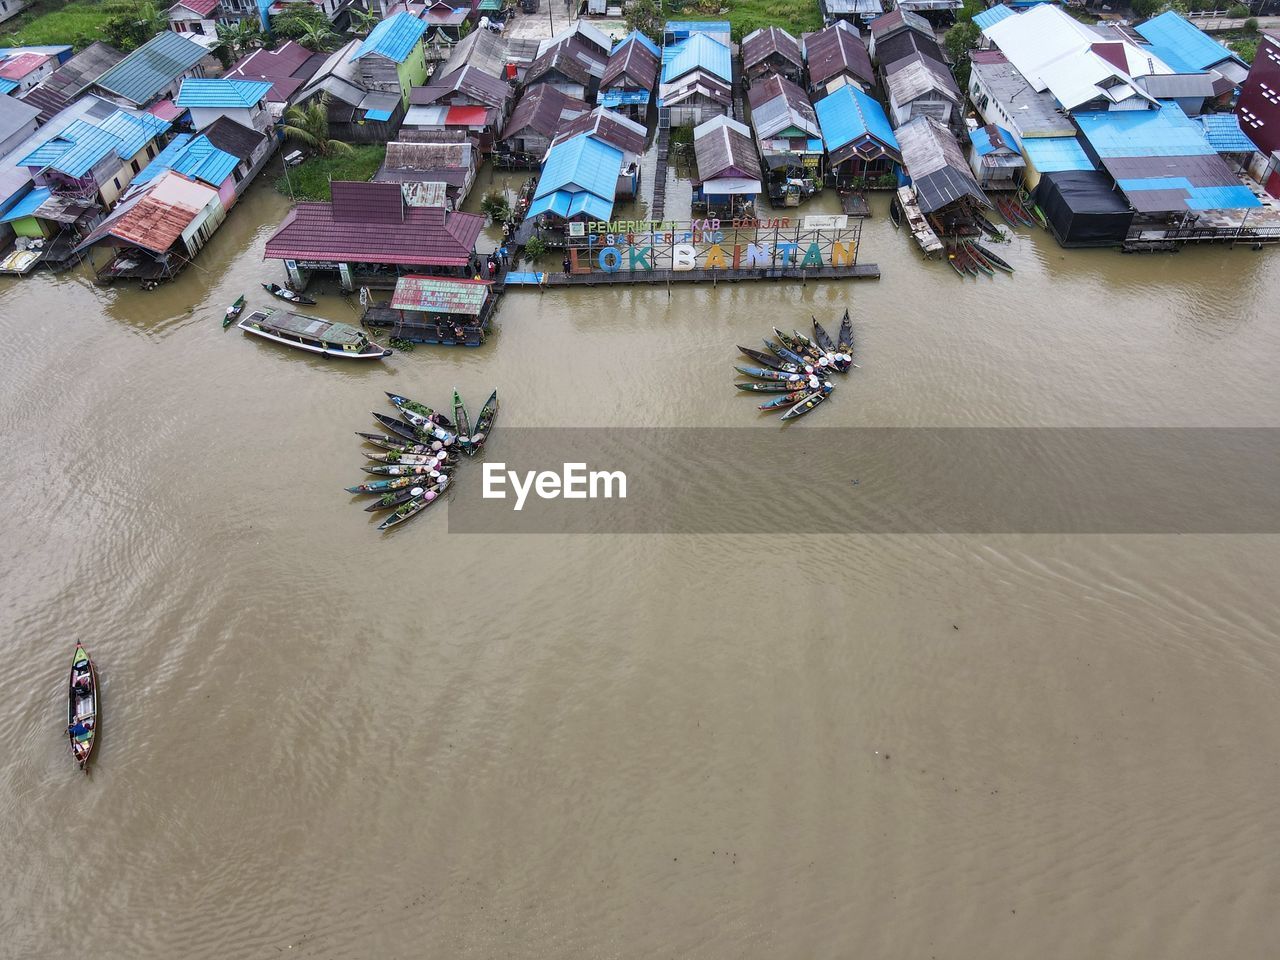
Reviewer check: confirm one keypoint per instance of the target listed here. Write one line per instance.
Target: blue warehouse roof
(81, 145)
(1055, 154)
(221, 93)
(698, 52)
(640, 38)
(1181, 44)
(991, 16)
(143, 75)
(393, 38)
(7, 86)
(687, 28)
(580, 175)
(194, 157)
(848, 114)
(1167, 132)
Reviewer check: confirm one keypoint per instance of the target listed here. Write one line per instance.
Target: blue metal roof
(393, 38)
(848, 114)
(640, 38)
(7, 86)
(1167, 132)
(143, 75)
(1236, 197)
(1055, 154)
(992, 16)
(581, 163)
(982, 141)
(698, 52)
(687, 28)
(556, 202)
(375, 114)
(27, 205)
(81, 145)
(1223, 132)
(620, 98)
(223, 92)
(1181, 44)
(194, 157)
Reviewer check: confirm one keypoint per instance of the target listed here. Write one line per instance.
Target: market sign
(642, 246)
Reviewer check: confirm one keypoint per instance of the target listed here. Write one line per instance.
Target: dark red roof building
(287, 68)
(1259, 106)
(370, 236)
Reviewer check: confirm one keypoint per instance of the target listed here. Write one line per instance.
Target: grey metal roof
(1031, 111)
(480, 48)
(1172, 86)
(761, 44)
(723, 145)
(936, 164)
(852, 8)
(918, 77)
(14, 115)
(898, 20)
(776, 104)
(143, 74)
(835, 50)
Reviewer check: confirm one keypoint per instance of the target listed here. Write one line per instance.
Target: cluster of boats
(968, 258)
(418, 454)
(796, 367)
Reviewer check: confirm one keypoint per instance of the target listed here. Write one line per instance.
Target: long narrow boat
(979, 260)
(788, 355)
(787, 399)
(963, 260)
(398, 427)
(382, 486)
(284, 293)
(398, 444)
(483, 425)
(895, 213)
(770, 361)
(395, 498)
(313, 335)
(413, 406)
(406, 470)
(1006, 211)
(461, 419)
(991, 258)
(428, 456)
(83, 719)
(987, 227)
(804, 406)
(426, 426)
(760, 373)
(820, 334)
(844, 341)
(809, 353)
(411, 509)
(813, 383)
(953, 264)
(233, 312)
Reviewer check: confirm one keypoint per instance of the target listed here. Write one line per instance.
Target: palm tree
(315, 36)
(240, 38)
(309, 125)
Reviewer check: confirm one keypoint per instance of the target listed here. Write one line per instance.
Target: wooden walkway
(653, 278)
(658, 202)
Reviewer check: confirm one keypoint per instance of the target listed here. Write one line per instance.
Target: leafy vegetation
(1237, 11)
(304, 23)
(535, 248)
(78, 22)
(744, 16)
(960, 39)
(309, 126)
(132, 23)
(496, 207)
(310, 180)
(645, 16)
(240, 38)
(1246, 50)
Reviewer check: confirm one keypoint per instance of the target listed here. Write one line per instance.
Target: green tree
(304, 23)
(1237, 11)
(362, 21)
(1251, 26)
(132, 23)
(1146, 8)
(960, 39)
(309, 126)
(240, 38)
(645, 16)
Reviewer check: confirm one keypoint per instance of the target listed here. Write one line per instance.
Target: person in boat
(82, 683)
(81, 727)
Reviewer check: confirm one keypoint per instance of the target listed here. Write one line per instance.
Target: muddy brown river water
(321, 742)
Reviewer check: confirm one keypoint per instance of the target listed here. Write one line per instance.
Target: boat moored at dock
(325, 337)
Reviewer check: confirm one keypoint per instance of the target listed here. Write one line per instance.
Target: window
(116, 181)
(135, 166)
(151, 152)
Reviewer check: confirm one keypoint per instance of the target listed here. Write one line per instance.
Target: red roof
(370, 223)
(165, 110)
(15, 68)
(285, 68)
(1112, 52)
(202, 7)
(466, 116)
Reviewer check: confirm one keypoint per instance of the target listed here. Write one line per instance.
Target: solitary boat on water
(312, 334)
(82, 707)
